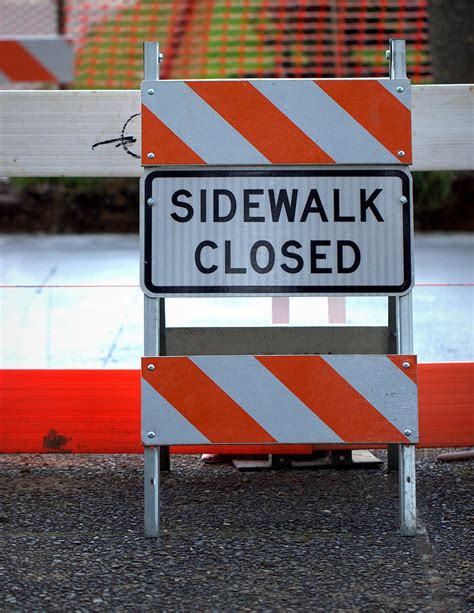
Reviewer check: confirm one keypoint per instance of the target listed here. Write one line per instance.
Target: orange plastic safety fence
(244, 38)
(98, 411)
(228, 38)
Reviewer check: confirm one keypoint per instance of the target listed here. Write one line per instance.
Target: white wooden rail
(51, 133)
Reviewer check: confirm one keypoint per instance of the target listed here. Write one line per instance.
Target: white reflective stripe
(403, 97)
(196, 123)
(266, 399)
(337, 133)
(56, 55)
(383, 385)
(169, 425)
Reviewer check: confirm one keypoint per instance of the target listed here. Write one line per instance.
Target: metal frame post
(154, 345)
(155, 340)
(152, 491)
(401, 323)
(407, 484)
(396, 56)
(406, 453)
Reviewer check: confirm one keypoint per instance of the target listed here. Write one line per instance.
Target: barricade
(36, 59)
(441, 113)
(278, 188)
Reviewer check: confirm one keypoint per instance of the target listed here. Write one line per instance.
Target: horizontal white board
(279, 231)
(53, 133)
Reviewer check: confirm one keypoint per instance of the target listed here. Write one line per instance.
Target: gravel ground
(71, 538)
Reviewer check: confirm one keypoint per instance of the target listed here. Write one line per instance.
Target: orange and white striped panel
(284, 121)
(36, 60)
(279, 399)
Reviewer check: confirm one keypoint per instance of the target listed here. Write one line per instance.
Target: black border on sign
(324, 290)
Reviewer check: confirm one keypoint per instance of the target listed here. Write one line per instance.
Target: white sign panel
(276, 232)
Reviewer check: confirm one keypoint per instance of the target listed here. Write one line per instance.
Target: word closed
(276, 232)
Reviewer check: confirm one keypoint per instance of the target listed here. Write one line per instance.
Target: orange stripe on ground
(167, 147)
(411, 372)
(203, 403)
(19, 65)
(260, 122)
(332, 398)
(376, 109)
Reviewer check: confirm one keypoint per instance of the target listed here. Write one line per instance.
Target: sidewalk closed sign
(315, 231)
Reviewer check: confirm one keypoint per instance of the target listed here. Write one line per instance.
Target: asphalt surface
(71, 538)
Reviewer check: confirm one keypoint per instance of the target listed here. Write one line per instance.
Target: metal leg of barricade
(406, 453)
(152, 491)
(397, 70)
(407, 478)
(154, 456)
(155, 344)
(152, 453)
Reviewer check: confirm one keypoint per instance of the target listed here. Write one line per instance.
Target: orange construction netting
(245, 38)
(228, 38)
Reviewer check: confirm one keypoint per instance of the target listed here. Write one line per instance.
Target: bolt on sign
(277, 231)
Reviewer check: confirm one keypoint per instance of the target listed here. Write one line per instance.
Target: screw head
(160, 57)
(387, 54)
(400, 89)
(150, 202)
(151, 434)
(401, 154)
(151, 155)
(403, 200)
(407, 432)
(406, 364)
(151, 367)
(151, 91)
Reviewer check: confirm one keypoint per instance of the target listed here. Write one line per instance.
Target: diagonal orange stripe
(412, 371)
(167, 147)
(332, 399)
(203, 403)
(376, 109)
(260, 122)
(19, 65)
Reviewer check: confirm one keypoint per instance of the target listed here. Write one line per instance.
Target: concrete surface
(101, 327)
(71, 538)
